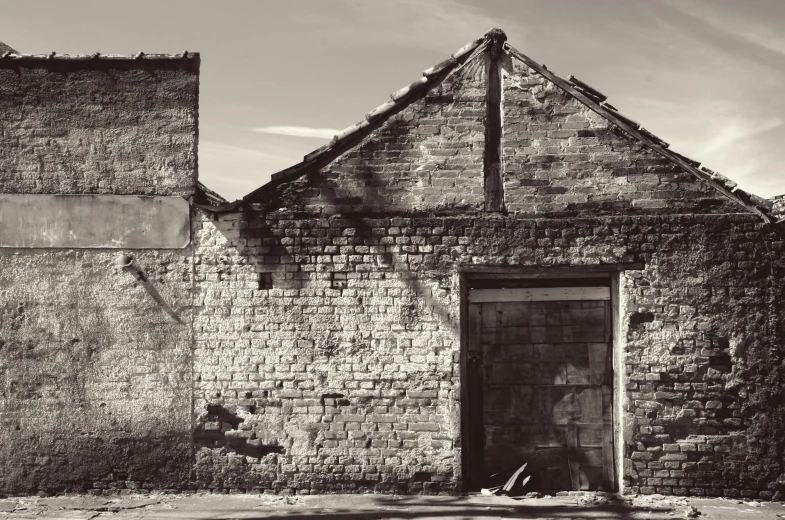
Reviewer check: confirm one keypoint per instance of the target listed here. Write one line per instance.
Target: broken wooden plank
(511, 481)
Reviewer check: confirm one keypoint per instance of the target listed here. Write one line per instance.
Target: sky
(279, 78)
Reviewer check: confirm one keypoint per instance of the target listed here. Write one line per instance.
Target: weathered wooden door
(540, 386)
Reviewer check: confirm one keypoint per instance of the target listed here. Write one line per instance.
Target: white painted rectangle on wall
(94, 221)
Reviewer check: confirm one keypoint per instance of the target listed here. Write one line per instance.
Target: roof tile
(595, 94)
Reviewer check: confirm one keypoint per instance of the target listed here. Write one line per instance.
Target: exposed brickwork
(562, 158)
(388, 343)
(428, 157)
(81, 126)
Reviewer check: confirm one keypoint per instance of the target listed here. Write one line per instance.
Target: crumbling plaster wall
(319, 336)
(117, 126)
(344, 374)
(95, 364)
(355, 377)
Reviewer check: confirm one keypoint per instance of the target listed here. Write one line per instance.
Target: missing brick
(265, 280)
(331, 395)
(338, 280)
(637, 319)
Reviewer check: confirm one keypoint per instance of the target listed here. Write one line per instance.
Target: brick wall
(95, 364)
(562, 158)
(328, 333)
(427, 157)
(349, 363)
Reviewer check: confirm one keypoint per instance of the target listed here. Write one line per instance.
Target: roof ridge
(399, 100)
(207, 196)
(596, 101)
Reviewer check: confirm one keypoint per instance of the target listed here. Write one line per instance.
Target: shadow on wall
(218, 427)
(393, 263)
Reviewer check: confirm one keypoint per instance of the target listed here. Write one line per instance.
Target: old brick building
(494, 267)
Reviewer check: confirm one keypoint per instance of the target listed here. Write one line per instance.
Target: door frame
(471, 406)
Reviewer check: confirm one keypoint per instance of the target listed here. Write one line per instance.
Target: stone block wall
(95, 361)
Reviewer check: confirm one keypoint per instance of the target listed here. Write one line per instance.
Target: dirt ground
(383, 507)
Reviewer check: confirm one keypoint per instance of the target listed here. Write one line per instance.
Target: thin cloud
(435, 25)
(735, 131)
(298, 131)
(741, 24)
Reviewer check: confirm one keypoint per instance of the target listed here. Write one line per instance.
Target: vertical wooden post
(492, 161)
(608, 465)
(475, 441)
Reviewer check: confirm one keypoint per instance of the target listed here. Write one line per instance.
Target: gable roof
(399, 100)
(585, 94)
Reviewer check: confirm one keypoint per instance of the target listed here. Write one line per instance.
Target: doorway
(538, 369)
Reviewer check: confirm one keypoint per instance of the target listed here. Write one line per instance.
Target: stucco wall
(95, 367)
(95, 374)
(99, 126)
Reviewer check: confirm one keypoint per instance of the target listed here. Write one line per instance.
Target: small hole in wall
(265, 280)
(218, 394)
(248, 394)
(338, 280)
